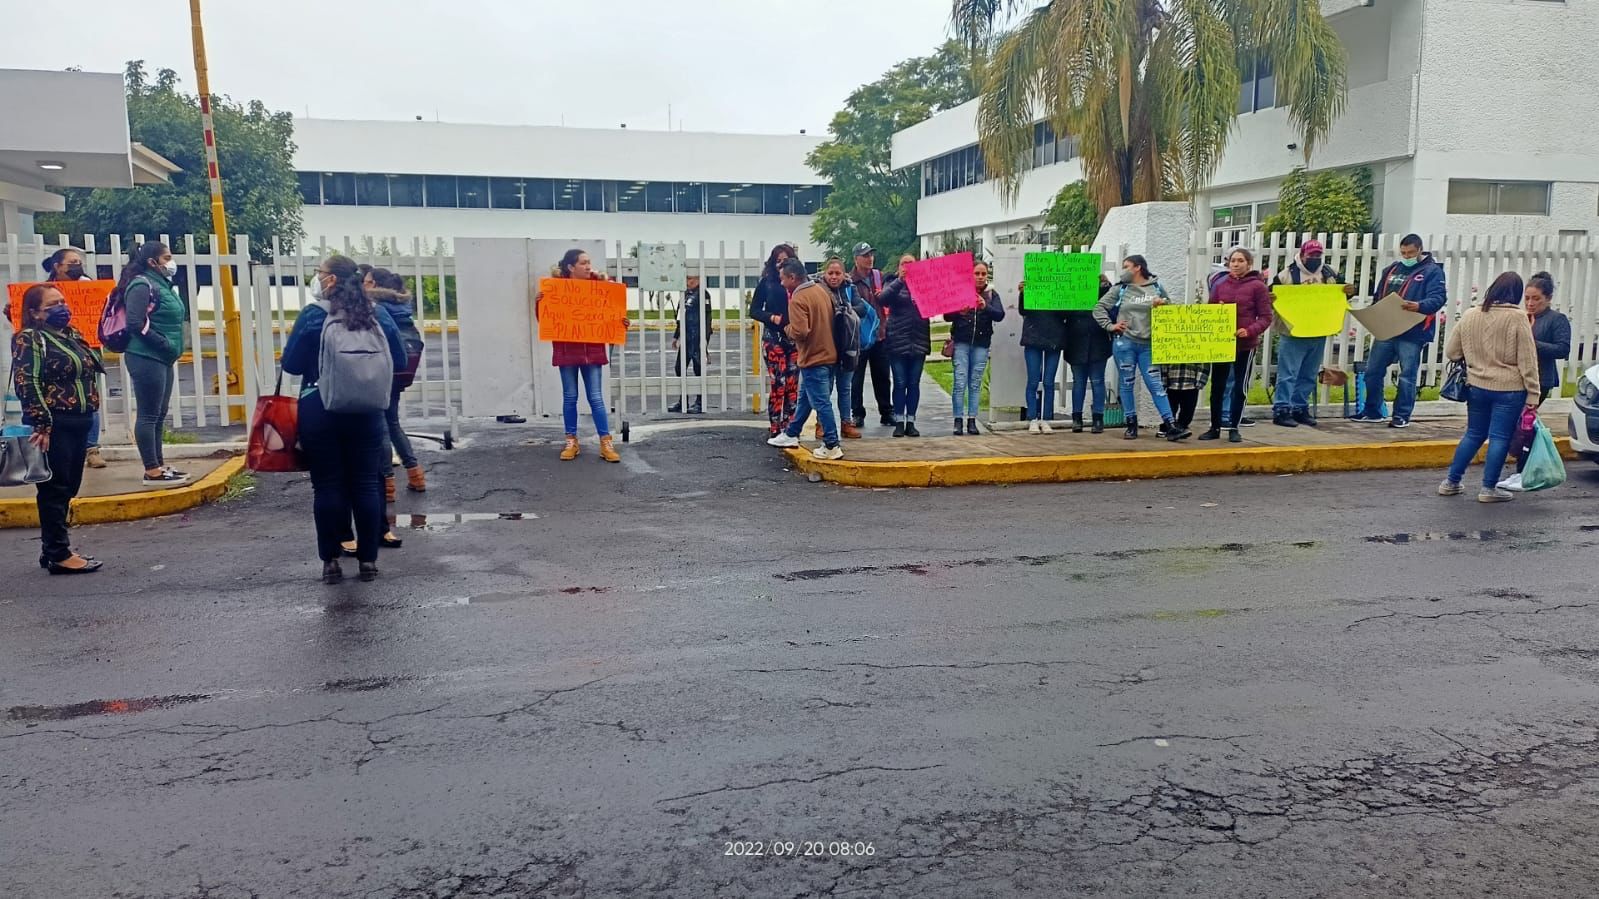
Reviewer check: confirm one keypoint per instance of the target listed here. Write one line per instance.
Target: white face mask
(170, 269)
(316, 287)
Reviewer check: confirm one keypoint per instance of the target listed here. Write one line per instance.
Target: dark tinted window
(658, 196)
(778, 199)
(405, 190)
(630, 196)
(474, 192)
(691, 197)
(569, 195)
(505, 193)
(310, 188)
(538, 193)
(807, 200)
(441, 190)
(372, 190)
(338, 189)
(594, 194)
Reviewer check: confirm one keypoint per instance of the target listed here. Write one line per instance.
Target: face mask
(74, 272)
(1409, 263)
(170, 269)
(1313, 263)
(1126, 277)
(316, 287)
(58, 316)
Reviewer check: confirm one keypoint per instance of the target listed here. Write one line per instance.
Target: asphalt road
(1331, 686)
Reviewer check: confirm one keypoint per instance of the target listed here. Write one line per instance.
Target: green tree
(1072, 219)
(869, 200)
(1149, 88)
(255, 151)
(1323, 203)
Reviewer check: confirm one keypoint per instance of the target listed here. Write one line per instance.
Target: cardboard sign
(573, 311)
(942, 284)
(1311, 310)
(1387, 318)
(1065, 281)
(1194, 334)
(662, 266)
(86, 299)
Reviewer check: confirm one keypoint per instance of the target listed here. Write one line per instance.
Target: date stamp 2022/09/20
(797, 848)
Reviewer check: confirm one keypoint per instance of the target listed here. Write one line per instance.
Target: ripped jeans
(1135, 358)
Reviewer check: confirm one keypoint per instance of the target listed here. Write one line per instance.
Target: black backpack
(846, 333)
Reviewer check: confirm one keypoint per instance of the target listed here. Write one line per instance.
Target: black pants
(342, 450)
(69, 446)
(693, 362)
(876, 363)
(1239, 369)
(1183, 405)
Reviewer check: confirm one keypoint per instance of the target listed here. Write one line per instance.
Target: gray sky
(724, 65)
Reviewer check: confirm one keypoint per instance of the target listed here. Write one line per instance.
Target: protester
(1551, 330)
(1043, 336)
(843, 293)
(1183, 383)
(1496, 342)
(1245, 289)
(582, 360)
(689, 319)
(972, 335)
(1086, 350)
(343, 448)
(810, 327)
(909, 339)
(156, 315)
(388, 290)
(770, 308)
(1126, 310)
(868, 284)
(66, 264)
(1299, 358)
(56, 377)
(1419, 280)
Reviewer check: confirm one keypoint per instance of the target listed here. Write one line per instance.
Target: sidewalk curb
(24, 513)
(1136, 466)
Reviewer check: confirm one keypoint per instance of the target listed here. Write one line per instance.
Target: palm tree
(1147, 88)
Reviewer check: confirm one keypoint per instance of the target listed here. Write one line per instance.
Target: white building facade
(441, 181)
(1473, 116)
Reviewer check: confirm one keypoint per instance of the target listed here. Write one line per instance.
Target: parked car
(1583, 425)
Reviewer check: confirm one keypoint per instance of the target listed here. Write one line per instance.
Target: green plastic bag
(1544, 468)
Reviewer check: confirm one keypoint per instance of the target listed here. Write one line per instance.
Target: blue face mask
(58, 316)
(1409, 263)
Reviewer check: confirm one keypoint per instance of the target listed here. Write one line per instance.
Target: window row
(966, 166)
(1498, 197)
(564, 194)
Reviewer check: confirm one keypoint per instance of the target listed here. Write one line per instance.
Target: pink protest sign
(942, 284)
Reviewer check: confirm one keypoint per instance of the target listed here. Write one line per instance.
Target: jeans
(816, 395)
(874, 361)
(970, 361)
(342, 450)
(594, 385)
(152, 394)
(1383, 354)
(1298, 362)
(1082, 376)
(1228, 381)
(1134, 359)
(907, 384)
(1042, 367)
(94, 428)
(844, 381)
(1491, 416)
(69, 435)
(400, 443)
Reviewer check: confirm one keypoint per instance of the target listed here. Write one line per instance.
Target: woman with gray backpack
(345, 350)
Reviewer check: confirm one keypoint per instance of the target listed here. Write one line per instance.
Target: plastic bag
(1544, 468)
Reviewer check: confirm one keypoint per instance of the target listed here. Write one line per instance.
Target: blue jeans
(970, 361)
(1383, 354)
(1298, 362)
(1491, 416)
(94, 431)
(816, 394)
(594, 384)
(845, 388)
(1136, 359)
(1082, 376)
(1042, 367)
(907, 384)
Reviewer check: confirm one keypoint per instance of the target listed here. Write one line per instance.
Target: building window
(538, 193)
(371, 190)
(807, 200)
(338, 189)
(778, 199)
(405, 190)
(594, 194)
(1498, 197)
(734, 199)
(691, 197)
(310, 188)
(630, 196)
(505, 193)
(1257, 82)
(658, 197)
(569, 195)
(441, 191)
(474, 192)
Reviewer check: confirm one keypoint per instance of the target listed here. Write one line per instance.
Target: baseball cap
(1310, 247)
(864, 249)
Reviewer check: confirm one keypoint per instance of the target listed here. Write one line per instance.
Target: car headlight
(1587, 391)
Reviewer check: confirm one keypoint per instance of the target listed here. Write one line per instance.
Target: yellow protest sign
(1191, 334)
(1311, 310)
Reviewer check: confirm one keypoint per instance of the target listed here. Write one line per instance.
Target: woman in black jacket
(909, 340)
(1043, 335)
(972, 333)
(770, 308)
(1087, 350)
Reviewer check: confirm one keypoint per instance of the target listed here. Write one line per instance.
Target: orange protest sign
(86, 299)
(573, 311)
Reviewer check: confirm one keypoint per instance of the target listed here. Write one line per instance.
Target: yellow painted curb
(24, 513)
(1136, 466)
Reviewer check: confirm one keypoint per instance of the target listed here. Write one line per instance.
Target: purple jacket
(1253, 299)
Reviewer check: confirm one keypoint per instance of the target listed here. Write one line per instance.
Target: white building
(1474, 116)
(441, 181)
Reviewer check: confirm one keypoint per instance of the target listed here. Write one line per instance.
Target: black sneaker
(960, 428)
(1399, 423)
(1364, 419)
(1211, 434)
(167, 478)
(675, 408)
(1283, 420)
(1304, 417)
(910, 429)
(1176, 432)
(899, 429)
(971, 427)
(886, 421)
(1246, 422)
(1234, 437)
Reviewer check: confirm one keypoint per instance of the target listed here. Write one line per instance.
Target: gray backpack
(355, 369)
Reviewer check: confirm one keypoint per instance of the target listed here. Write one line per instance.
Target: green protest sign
(1064, 281)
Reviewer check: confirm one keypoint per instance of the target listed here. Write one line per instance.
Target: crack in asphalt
(1486, 613)
(825, 775)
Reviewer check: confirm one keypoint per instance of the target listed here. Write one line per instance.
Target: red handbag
(274, 433)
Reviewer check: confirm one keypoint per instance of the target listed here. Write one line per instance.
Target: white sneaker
(828, 453)
(1513, 484)
(783, 441)
(1450, 488)
(1495, 496)
(1033, 427)
(1044, 427)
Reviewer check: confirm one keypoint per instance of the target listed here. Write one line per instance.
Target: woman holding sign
(1127, 312)
(972, 333)
(582, 360)
(66, 264)
(1245, 289)
(909, 340)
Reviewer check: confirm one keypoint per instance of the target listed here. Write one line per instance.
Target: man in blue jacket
(1419, 280)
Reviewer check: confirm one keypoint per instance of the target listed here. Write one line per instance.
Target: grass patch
(238, 486)
(179, 438)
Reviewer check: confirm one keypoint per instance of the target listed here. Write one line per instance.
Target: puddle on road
(1451, 536)
(99, 707)
(1176, 555)
(365, 684)
(438, 521)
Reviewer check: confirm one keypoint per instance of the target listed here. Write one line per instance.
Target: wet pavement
(695, 674)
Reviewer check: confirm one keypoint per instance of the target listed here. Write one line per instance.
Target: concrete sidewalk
(117, 492)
